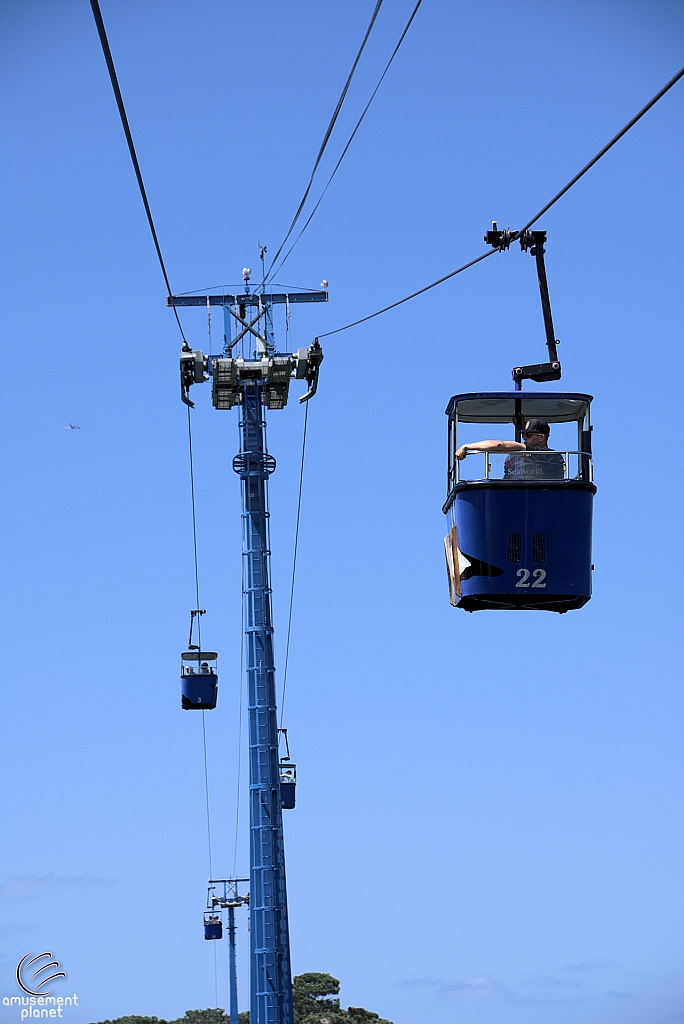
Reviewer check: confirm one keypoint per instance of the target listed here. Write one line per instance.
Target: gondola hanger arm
(287, 744)
(532, 241)
(193, 613)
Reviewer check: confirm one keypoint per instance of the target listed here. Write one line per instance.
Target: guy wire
(104, 42)
(516, 234)
(351, 137)
(199, 634)
(206, 789)
(326, 137)
(215, 977)
(412, 296)
(239, 742)
(294, 565)
(609, 145)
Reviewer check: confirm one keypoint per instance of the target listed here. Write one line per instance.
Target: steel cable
(616, 138)
(199, 634)
(294, 565)
(194, 528)
(516, 234)
(326, 137)
(413, 295)
(206, 790)
(239, 742)
(351, 137)
(131, 148)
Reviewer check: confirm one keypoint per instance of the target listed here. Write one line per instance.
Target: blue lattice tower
(228, 900)
(232, 965)
(271, 996)
(256, 380)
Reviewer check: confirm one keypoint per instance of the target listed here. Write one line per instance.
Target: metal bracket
(315, 358)
(230, 896)
(245, 464)
(287, 744)
(193, 613)
(536, 371)
(500, 238)
(275, 370)
(187, 375)
(193, 370)
(534, 242)
(247, 327)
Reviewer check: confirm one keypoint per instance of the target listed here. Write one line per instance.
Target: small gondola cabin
(519, 521)
(288, 785)
(199, 680)
(213, 926)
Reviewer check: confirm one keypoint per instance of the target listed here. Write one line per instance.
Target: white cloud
(22, 887)
(426, 981)
(475, 984)
(594, 963)
(545, 981)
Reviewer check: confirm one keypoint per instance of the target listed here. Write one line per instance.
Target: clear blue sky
(489, 823)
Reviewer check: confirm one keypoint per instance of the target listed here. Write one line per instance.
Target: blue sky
(489, 823)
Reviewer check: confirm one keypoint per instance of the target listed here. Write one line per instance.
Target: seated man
(528, 467)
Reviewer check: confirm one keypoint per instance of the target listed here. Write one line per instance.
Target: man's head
(535, 432)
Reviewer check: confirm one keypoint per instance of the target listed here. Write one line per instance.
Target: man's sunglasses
(531, 433)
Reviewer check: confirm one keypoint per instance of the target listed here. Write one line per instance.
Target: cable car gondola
(213, 926)
(520, 512)
(288, 775)
(520, 522)
(288, 785)
(199, 686)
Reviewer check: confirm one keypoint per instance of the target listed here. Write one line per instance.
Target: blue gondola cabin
(213, 926)
(519, 520)
(288, 785)
(199, 680)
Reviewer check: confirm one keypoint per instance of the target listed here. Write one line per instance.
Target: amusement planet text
(40, 1006)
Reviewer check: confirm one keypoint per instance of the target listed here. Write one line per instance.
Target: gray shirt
(547, 465)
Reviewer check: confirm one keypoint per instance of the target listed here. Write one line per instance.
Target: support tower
(256, 379)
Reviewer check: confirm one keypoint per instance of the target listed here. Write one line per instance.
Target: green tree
(135, 1020)
(315, 998)
(357, 1015)
(316, 1001)
(208, 1016)
(311, 996)
(326, 1017)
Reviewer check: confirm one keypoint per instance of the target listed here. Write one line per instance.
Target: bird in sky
(72, 426)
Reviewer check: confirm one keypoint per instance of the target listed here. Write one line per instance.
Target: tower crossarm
(247, 299)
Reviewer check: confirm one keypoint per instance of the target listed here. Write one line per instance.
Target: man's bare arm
(489, 446)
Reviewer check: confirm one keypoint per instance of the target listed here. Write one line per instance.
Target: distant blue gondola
(288, 785)
(199, 680)
(213, 926)
(520, 524)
